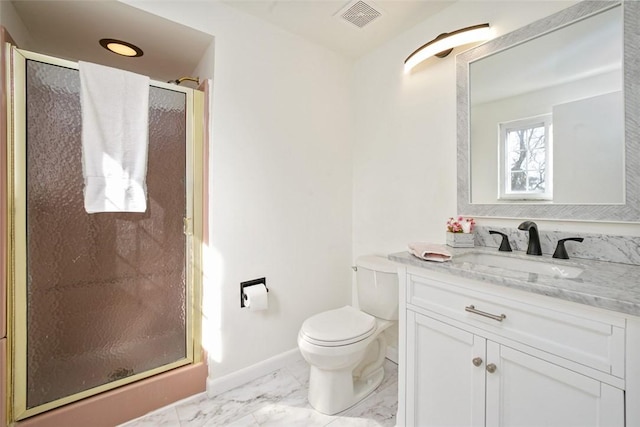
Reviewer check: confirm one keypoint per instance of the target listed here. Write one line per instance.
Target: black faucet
(561, 251)
(504, 245)
(534, 239)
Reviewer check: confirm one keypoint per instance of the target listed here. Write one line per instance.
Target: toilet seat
(339, 327)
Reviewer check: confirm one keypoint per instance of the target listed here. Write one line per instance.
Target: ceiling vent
(359, 13)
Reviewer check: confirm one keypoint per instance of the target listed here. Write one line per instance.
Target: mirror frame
(630, 210)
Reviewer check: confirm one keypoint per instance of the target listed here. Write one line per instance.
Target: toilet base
(363, 388)
(346, 392)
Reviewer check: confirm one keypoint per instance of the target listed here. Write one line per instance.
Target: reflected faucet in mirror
(534, 240)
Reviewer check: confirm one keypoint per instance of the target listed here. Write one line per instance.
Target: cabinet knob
(491, 368)
(477, 361)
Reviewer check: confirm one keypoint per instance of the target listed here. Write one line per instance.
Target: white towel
(430, 251)
(115, 117)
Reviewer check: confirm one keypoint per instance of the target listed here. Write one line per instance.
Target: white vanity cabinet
(484, 355)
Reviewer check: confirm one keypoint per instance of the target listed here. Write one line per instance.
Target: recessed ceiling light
(121, 48)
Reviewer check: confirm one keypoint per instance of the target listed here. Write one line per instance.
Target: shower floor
(59, 377)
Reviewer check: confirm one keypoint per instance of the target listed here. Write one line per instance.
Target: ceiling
(71, 29)
(320, 21)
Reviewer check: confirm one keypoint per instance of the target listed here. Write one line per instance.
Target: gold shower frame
(17, 242)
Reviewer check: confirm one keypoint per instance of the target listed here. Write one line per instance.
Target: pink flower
(461, 225)
(472, 224)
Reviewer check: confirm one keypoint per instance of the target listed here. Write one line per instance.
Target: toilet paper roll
(256, 297)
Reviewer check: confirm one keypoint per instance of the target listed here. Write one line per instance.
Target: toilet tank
(377, 284)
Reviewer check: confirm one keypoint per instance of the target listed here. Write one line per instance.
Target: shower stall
(97, 301)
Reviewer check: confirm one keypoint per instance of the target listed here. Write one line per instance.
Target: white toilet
(346, 347)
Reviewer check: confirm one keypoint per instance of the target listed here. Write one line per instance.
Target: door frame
(17, 242)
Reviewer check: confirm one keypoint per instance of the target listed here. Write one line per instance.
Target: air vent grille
(360, 14)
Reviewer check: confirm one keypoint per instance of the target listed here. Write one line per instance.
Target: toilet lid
(338, 327)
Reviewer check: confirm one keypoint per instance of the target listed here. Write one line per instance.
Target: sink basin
(538, 266)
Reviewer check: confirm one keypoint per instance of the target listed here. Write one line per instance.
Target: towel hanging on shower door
(115, 117)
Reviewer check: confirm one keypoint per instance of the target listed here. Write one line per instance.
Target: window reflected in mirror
(571, 76)
(525, 159)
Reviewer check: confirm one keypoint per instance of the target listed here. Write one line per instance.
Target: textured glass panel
(106, 292)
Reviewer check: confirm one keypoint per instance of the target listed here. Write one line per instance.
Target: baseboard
(392, 354)
(215, 386)
(126, 403)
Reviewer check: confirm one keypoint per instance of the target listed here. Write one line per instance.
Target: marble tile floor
(277, 399)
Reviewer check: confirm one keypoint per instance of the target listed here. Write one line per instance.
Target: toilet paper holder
(243, 297)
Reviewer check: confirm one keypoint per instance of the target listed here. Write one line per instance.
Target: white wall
(280, 181)
(14, 25)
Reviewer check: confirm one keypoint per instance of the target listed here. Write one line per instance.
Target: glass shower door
(103, 299)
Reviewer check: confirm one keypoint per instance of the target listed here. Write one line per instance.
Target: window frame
(504, 172)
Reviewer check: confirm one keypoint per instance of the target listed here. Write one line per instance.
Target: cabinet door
(527, 391)
(444, 387)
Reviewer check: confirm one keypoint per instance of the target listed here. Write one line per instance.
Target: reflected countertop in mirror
(542, 131)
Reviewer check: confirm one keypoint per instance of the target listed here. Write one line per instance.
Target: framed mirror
(548, 118)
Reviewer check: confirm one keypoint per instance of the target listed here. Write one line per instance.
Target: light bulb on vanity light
(442, 45)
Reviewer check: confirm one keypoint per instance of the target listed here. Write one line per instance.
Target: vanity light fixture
(121, 47)
(442, 45)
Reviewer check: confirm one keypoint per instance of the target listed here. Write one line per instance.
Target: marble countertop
(607, 285)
